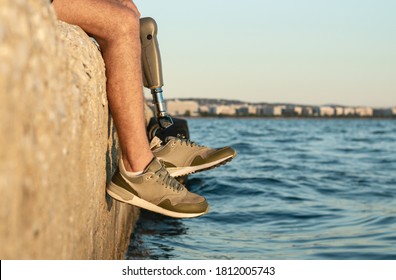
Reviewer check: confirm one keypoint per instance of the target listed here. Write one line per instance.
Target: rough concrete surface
(57, 143)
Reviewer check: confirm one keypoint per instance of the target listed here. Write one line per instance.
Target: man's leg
(116, 28)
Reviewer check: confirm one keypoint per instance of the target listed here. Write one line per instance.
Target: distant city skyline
(149, 99)
(221, 107)
(306, 51)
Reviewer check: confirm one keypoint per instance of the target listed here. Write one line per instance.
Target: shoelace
(183, 139)
(167, 180)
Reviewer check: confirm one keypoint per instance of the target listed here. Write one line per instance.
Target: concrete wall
(57, 144)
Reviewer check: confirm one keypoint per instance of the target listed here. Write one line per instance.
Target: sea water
(298, 189)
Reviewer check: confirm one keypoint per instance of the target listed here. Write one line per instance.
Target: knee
(123, 26)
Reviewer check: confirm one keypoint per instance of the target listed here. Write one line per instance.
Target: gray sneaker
(157, 191)
(183, 157)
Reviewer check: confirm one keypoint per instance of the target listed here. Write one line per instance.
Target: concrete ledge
(58, 145)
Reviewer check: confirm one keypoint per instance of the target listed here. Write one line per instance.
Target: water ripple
(299, 189)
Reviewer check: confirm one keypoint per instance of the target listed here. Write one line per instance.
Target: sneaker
(183, 157)
(157, 191)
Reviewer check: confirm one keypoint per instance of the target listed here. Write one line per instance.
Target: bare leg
(116, 28)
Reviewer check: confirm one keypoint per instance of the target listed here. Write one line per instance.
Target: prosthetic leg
(162, 125)
(152, 79)
(152, 70)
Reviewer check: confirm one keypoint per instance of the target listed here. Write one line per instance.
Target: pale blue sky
(299, 51)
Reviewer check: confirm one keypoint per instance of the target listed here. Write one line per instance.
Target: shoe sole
(122, 195)
(183, 171)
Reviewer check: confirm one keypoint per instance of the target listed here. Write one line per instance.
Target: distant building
(298, 110)
(203, 109)
(364, 111)
(252, 110)
(266, 111)
(349, 111)
(289, 111)
(383, 113)
(339, 111)
(182, 108)
(223, 110)
(213, 110)
(278, 111)
(307, 111)
(316, 111)
(326, 111)
(242, 111)
(269, 111)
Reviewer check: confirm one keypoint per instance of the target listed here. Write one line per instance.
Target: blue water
(298, 189)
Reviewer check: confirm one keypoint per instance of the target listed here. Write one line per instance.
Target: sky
(312, 52)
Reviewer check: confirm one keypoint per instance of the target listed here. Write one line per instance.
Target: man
(142, 178)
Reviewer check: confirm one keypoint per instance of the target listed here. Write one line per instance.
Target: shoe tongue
(155, 143)
(153, 166)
